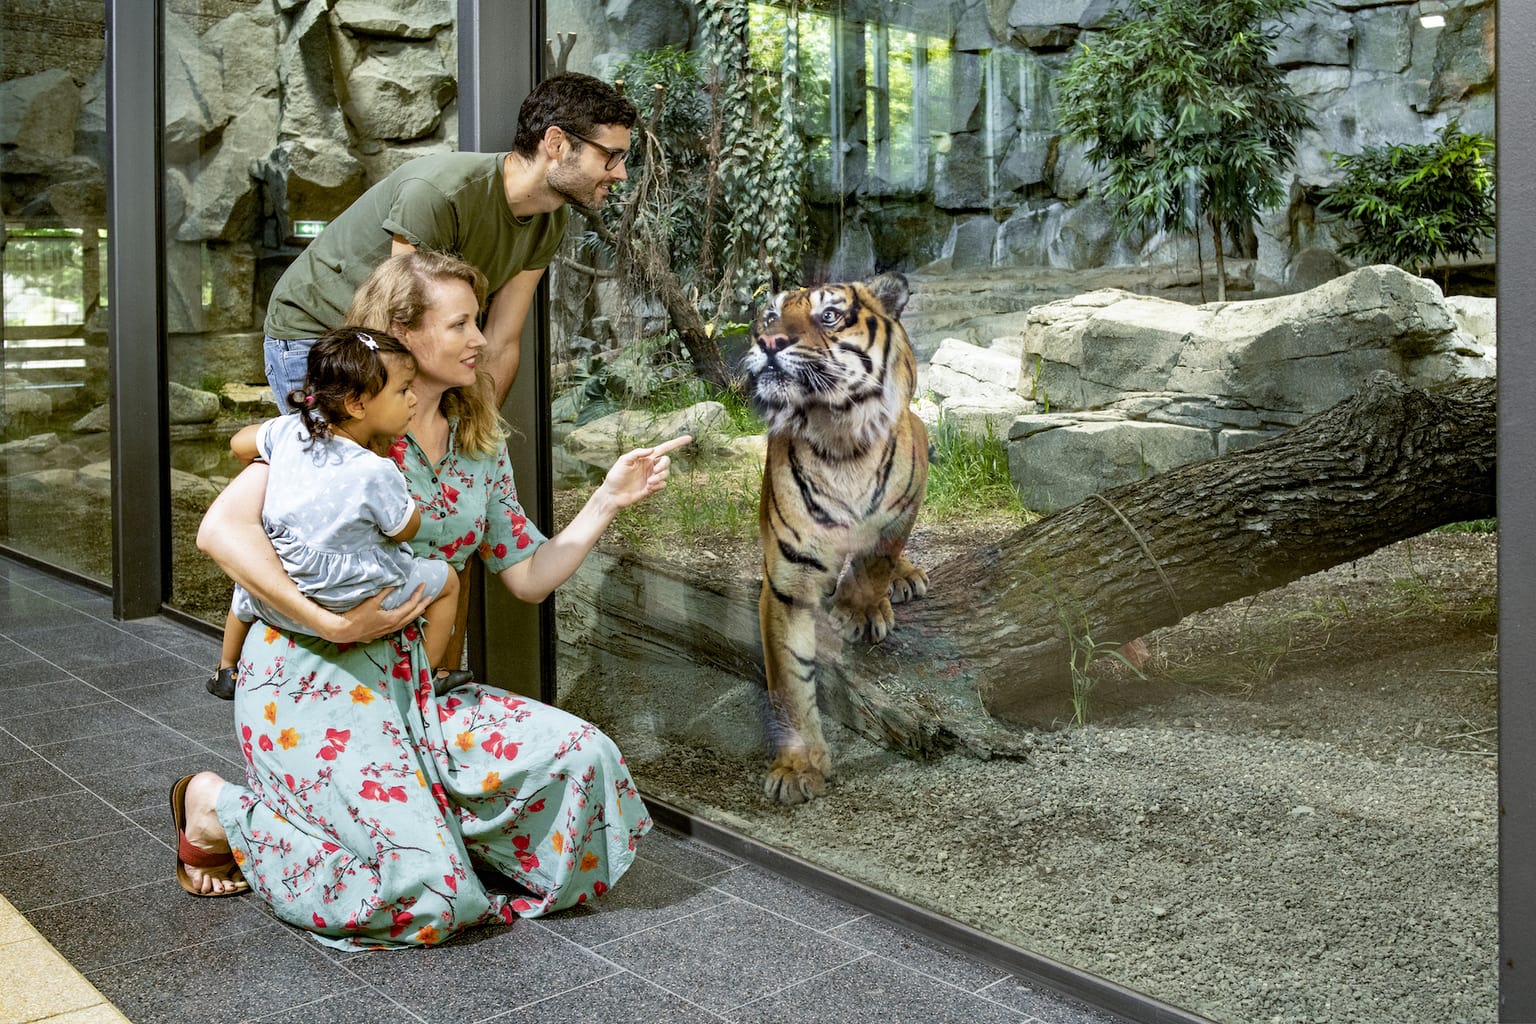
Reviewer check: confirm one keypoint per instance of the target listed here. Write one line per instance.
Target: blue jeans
(286, 363)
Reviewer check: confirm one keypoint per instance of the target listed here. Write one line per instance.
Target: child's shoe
(447, 679)
(222, 683)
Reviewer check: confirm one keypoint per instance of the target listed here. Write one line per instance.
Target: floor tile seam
(1045, 990)
(785, 917)
(62, 904)
(62, 707)
(932, 944)
(374, 990)
(703, 879)
(116, 625)
(670, 922)
(979, 993)
(127, 823)
(866, 954)
(150, 719)
(617, 971)
(193, 946)
(126, 768)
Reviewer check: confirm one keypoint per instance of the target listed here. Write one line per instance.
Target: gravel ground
(1291, 819)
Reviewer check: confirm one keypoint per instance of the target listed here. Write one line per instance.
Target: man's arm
(504, 329)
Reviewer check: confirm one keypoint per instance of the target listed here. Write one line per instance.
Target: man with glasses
(502, 212)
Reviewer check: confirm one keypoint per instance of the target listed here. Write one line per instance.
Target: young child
(338, 512)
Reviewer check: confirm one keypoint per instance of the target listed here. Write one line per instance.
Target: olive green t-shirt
(449, 202)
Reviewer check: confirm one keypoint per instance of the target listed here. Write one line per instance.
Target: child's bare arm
(243, 444)
(412, 524)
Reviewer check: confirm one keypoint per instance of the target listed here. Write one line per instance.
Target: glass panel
(263, 148)
(1223, 759)
(54, 466)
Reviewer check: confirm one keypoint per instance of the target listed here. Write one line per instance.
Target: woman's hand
(641, 473)
(371, 620)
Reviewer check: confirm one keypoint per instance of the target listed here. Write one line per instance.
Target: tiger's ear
(892, 292)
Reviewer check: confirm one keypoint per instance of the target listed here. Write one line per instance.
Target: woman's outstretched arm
(232, 535)
(636, 475)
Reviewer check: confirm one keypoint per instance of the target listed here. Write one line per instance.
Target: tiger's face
(830, 349)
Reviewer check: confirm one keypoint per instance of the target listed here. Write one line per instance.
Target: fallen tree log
(1387, 464)
(995, 636)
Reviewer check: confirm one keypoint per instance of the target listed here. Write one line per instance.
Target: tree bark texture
(1385, 465)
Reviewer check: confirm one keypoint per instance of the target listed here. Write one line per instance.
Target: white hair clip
(367, 339)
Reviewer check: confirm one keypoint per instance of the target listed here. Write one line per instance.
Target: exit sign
(308, 228)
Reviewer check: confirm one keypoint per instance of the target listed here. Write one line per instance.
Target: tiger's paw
(908, 584)
(870, 623)
(792, 778)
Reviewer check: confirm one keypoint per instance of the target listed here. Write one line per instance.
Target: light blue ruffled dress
(331, 506)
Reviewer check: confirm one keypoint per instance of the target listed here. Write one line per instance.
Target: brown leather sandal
(188, 852)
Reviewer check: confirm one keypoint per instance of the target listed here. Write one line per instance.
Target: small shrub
(1413, 205)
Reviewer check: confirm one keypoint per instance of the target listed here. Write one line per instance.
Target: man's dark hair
(573, 101)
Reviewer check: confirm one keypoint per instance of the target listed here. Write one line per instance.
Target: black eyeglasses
(615, 156)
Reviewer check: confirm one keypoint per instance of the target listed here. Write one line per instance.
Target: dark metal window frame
(491, 86)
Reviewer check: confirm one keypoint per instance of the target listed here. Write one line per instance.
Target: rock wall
(284, 111)
(1110, 387)
(276, 112)
(992, 183)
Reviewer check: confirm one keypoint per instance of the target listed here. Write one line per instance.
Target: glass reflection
(263, 147)
(1277, 807)
(54, 468)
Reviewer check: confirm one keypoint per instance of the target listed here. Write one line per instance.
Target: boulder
(612, 435)
(39, 113)
(1060, 466)
(962, 370)
(1110, 365)
(399, 19)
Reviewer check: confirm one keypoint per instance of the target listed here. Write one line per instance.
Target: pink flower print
(500, 747)
(397, 451)
(441, 796)
(451, 494)
(335, 743)
(265, 743)
(402, 919)
(526, 857)
(319, 921)
(402, 669)
(373, 791)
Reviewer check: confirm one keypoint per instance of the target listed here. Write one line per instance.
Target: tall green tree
(1182, 107)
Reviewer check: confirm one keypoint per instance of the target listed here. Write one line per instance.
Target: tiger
(832, 373)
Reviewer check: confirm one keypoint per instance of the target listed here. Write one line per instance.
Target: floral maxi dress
(369, 801)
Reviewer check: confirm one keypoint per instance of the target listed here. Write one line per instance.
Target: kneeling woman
(368, 800)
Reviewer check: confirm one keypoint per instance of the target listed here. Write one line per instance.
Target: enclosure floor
(98, 718)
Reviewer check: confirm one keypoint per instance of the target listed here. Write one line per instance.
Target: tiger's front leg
(787, 607)
(862, 606)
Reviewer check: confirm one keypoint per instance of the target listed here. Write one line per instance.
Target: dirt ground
(1291, 819)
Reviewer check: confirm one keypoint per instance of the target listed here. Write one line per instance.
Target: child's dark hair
(344, 364)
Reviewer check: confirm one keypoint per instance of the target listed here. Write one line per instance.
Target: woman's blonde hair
(396, 295)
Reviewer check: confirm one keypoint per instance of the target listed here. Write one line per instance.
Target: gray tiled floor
(97, 719)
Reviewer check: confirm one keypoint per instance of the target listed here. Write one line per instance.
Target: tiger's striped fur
(833, 374)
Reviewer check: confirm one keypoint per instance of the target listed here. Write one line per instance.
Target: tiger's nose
(774, 342)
